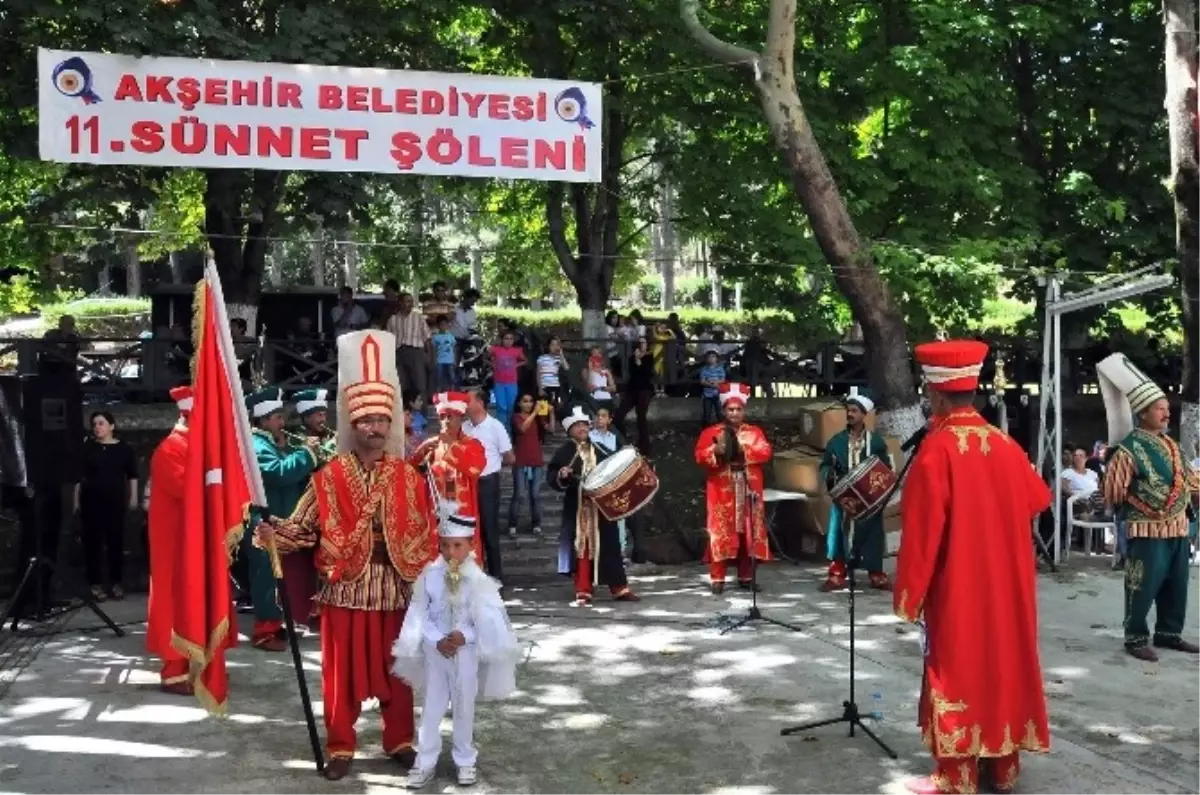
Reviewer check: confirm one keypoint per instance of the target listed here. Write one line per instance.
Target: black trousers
(637, 400)
(102, 530)
(489, 523)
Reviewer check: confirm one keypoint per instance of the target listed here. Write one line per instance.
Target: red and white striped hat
(739, 393)
(451, 403)
(184, 399)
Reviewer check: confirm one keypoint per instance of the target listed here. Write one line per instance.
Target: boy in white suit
(456, 644)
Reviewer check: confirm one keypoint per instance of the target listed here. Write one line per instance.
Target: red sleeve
(168, 465)
(760, 451)
(1040, 495)
(471, 457)
(705, 456)
(924, 509)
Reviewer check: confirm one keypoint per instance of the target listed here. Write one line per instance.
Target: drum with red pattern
(865, 490)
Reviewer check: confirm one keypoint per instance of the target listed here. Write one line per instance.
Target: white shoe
(418, 778)
(466, 776)
(512, 532)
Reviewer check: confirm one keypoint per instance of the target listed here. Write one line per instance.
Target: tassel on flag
(221, 481)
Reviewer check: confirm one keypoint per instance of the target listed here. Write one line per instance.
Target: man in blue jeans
(445, 350)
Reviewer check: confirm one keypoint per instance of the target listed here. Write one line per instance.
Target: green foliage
(177, 215)
(101, 317)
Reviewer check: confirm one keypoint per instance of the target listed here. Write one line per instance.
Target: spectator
(663, 337)
(414, 403)
(756, 362)
(528, 435)
(712, 375)
(498, 448)
(244, 349)
(60, 352)
(715, 341)
(550, 368)
(106, 490)
(445, 348)
(1077, 478)
(347, 314)
(412, 345)
(439, 304)
(612, 346)
(506, 358)
(391, 303)
(639, 390)
(466, 323)
(1099, 456)
(598, 381)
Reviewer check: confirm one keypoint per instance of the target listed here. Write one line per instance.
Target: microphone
(915, 440)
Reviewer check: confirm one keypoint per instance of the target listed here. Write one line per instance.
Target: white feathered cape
(495, 642)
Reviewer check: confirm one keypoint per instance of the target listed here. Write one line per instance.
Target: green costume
(285, 471)
(869, 540)
(1148, 482)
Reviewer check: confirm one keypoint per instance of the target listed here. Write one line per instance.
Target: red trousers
(960, 774)
(356, 663)
(583, 580)
(717, 569)
(174, 671)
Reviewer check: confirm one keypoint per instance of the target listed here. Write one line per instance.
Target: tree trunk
(1179, 18)
(854, 270)
(316, 255)
(666, 244)
(240, 211)
(133, 271)
(477, 269)
(350, 270)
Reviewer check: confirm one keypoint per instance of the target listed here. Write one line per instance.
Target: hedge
(102, 317)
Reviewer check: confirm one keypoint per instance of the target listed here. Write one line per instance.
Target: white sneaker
(537, 531)
(512, 532)
(418, 778)
(466, 776)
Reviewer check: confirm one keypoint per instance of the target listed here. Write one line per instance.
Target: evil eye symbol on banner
(73, 78)
(571, 107)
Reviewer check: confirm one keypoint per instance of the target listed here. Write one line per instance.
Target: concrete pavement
(620, 698)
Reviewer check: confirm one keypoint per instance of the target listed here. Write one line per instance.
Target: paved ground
(629, 698)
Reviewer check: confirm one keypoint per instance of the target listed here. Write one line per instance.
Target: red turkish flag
(219, 483)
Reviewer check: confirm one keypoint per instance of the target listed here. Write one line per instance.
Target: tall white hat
(1127, 392)
(368, 384)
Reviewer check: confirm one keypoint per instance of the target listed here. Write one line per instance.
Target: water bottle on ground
(877, 707)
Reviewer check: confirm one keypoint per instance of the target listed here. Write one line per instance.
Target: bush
(102, 317)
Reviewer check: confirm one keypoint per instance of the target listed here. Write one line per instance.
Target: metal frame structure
(1118, 288)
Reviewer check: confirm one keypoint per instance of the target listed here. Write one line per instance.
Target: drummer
(593, 540)
(845, 451)
(733, 453)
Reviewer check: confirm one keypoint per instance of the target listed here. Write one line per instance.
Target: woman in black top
(107, 487)
(637, 394)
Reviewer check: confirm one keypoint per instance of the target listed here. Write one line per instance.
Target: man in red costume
(971, 496)
(366, 514)
(454, 461)
(733, 452)
(165, 518)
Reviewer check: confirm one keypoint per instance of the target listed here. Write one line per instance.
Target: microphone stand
(850, 711)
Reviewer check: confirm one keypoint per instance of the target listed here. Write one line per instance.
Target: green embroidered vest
(1157, 492)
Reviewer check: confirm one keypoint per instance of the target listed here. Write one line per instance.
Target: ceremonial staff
(258, 499)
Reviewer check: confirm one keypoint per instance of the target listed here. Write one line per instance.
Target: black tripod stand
(754, 614)
(850, 713)
(39, 568)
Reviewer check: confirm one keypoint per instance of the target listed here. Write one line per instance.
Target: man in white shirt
(466, 322)
(490, 433)
(1078, 479)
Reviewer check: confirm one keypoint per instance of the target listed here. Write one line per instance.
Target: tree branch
(689, 12)
(556, 226)
(632, 236)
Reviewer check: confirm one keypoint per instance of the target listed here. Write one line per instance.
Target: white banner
(122, 110)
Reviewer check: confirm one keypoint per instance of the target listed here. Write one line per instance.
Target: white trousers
(449, 683)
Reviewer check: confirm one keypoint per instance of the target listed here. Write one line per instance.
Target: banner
(122, 110)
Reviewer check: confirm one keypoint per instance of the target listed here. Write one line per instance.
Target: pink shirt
(504, 369)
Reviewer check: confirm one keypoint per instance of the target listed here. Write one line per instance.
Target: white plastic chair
(1089, 527)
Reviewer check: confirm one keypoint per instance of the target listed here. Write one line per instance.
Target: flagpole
(258, 495)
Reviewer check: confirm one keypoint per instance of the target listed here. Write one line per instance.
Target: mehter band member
(164, 519)
(285, 471)
(453, 462)
(366, 514)
(846, 450)
(733, 453)
(967, 568)
(299, 569)
(596, 542)
(1151, 486)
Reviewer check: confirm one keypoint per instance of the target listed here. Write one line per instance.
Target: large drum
(865, 490)
(621, 484)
